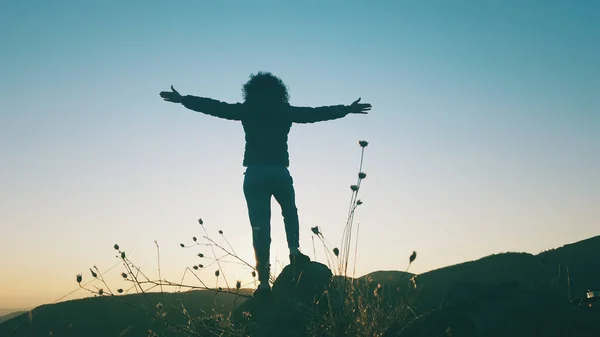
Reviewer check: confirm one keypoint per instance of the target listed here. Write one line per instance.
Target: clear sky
(484, 134)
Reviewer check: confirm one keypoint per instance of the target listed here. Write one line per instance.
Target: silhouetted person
(267, 118)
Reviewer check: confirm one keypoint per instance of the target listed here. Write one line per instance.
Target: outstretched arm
(325, 113)
(205, 105)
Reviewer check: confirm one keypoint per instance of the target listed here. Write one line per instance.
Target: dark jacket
(266, 127)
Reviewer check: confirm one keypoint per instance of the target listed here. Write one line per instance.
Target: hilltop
(546, 271)
(501, 294)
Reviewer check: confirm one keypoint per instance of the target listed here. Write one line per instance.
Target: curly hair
(265, 85)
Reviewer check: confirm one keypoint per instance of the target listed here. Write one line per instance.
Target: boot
(299, 259)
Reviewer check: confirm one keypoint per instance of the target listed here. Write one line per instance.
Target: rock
(295, 296)
(304, 285)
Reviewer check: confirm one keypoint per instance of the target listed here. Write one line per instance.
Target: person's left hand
(171, 96)
(359, 108)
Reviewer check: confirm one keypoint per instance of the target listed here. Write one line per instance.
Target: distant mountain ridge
(9, 313)
(6, 311)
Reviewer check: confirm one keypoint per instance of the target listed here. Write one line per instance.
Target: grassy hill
(127, 315)
(546, 271)
(386, 276)
(511, 293)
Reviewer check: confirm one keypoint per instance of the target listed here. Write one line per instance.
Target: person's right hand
(171, 96)
(359, 108)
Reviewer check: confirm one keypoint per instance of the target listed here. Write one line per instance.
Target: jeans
(260, 183)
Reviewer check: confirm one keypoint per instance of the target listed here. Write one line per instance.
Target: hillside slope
(546, 271)
(482, 294)
(127, 315)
